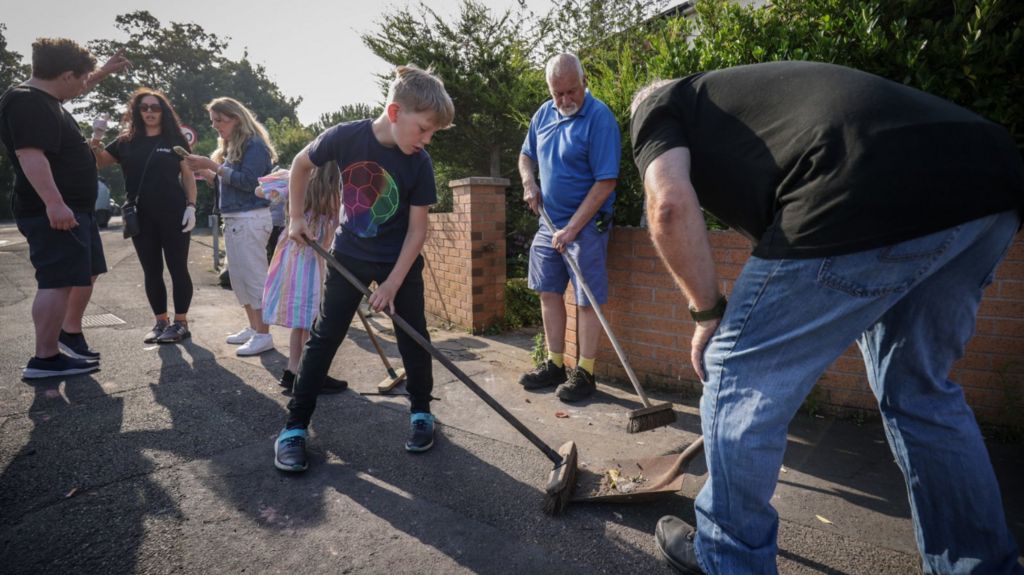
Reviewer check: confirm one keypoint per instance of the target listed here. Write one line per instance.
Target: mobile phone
(181, 151)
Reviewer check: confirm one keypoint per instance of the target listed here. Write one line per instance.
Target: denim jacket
(238, 181)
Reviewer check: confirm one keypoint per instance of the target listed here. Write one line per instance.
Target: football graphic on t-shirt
(369, 197)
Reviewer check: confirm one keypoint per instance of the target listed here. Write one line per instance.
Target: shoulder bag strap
(142, 179)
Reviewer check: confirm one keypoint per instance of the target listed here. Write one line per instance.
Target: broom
(394, 376)
(649, 416)
(562, 479)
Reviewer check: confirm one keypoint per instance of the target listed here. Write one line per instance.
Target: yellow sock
(556, 358)
(587, 364)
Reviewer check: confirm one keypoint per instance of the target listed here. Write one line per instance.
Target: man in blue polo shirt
(574, 143)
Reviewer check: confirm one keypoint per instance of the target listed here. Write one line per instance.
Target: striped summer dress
(291, 294)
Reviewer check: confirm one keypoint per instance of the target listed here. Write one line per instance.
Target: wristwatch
(717, 312)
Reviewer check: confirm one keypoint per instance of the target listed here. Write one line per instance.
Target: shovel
(637, 479)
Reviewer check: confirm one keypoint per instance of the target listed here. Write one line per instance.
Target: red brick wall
(649, 316)
(464, 273)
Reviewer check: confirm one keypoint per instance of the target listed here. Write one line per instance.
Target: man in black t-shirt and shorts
(54, 198)
(878, 214)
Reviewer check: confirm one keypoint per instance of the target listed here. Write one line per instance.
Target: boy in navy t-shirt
(387, 187)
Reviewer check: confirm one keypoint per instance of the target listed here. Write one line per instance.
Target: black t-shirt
(811, 159)
(31, 118)
(378, 184)
(161, 190)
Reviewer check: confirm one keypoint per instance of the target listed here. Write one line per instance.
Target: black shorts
(64, 258)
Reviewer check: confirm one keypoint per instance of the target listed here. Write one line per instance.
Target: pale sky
(290, 39)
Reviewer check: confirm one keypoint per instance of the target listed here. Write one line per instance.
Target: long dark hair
(170, 124)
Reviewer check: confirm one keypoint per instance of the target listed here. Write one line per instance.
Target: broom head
(648, 418)
(561, 481)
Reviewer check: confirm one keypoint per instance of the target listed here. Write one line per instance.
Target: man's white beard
(569, 110)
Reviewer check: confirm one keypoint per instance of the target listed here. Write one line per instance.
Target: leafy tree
(347, 113)
(968, 51)
(187, 63)
(12, 71)
(289, 137)
(484, 60)
(579, 26)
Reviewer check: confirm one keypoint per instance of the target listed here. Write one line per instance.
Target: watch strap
(716, 312)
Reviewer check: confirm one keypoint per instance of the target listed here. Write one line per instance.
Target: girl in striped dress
(291, 294)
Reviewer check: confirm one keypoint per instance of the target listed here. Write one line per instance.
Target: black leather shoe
(579, 386)
(547, 375)
(674, 538)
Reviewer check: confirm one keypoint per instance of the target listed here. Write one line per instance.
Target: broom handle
(600, 316)
(380, 352)
(415, 335)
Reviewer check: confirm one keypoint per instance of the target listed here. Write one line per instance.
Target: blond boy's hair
(422, 91)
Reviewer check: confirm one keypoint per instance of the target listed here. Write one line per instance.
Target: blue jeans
(911, 308)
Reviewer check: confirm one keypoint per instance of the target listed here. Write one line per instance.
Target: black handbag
(130, 212)
(131, 220)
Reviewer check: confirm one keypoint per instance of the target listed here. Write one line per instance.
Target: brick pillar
(465, 256)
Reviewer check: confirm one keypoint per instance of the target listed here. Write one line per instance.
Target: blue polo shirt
(573, 152)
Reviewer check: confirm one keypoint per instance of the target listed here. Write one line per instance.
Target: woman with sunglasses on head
(163, 189)
(244, 153)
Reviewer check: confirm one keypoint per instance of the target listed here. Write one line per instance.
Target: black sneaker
(287, 380)
(547, 375)
(73, 344)
(332, 385)
(422, 437)
(58, 366)
(580, 385)
(674, 538)
(175, 333)
(156, 332)
(290, 450)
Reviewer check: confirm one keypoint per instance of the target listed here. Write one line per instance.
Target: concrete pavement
(161, 461)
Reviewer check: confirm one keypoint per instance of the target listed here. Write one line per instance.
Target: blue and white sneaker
(422, 437)
(290, 450)
(60, 366)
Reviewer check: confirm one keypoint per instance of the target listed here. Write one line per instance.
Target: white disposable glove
(188, 222)
(99, 127)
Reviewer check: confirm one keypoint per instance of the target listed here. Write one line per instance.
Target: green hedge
(968, 51)
(522, 305)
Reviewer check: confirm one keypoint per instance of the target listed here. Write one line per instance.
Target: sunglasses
(150, 108)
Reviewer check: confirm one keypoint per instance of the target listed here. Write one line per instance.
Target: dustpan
(634, 480)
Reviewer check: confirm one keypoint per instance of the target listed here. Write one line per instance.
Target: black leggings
(161, 239)
(337, 309)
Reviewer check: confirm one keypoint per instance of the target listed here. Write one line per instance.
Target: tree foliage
(188, 64)
(968, 51)
(484, 60)
(12, 71)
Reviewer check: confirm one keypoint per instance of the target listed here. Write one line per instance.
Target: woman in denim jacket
(244, 153)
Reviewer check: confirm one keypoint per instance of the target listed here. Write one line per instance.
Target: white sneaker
(257, 344)
(241, 337)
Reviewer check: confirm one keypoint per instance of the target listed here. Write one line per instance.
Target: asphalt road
(161, 462)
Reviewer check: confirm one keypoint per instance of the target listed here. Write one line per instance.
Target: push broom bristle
(650, 417)
(562, 481)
